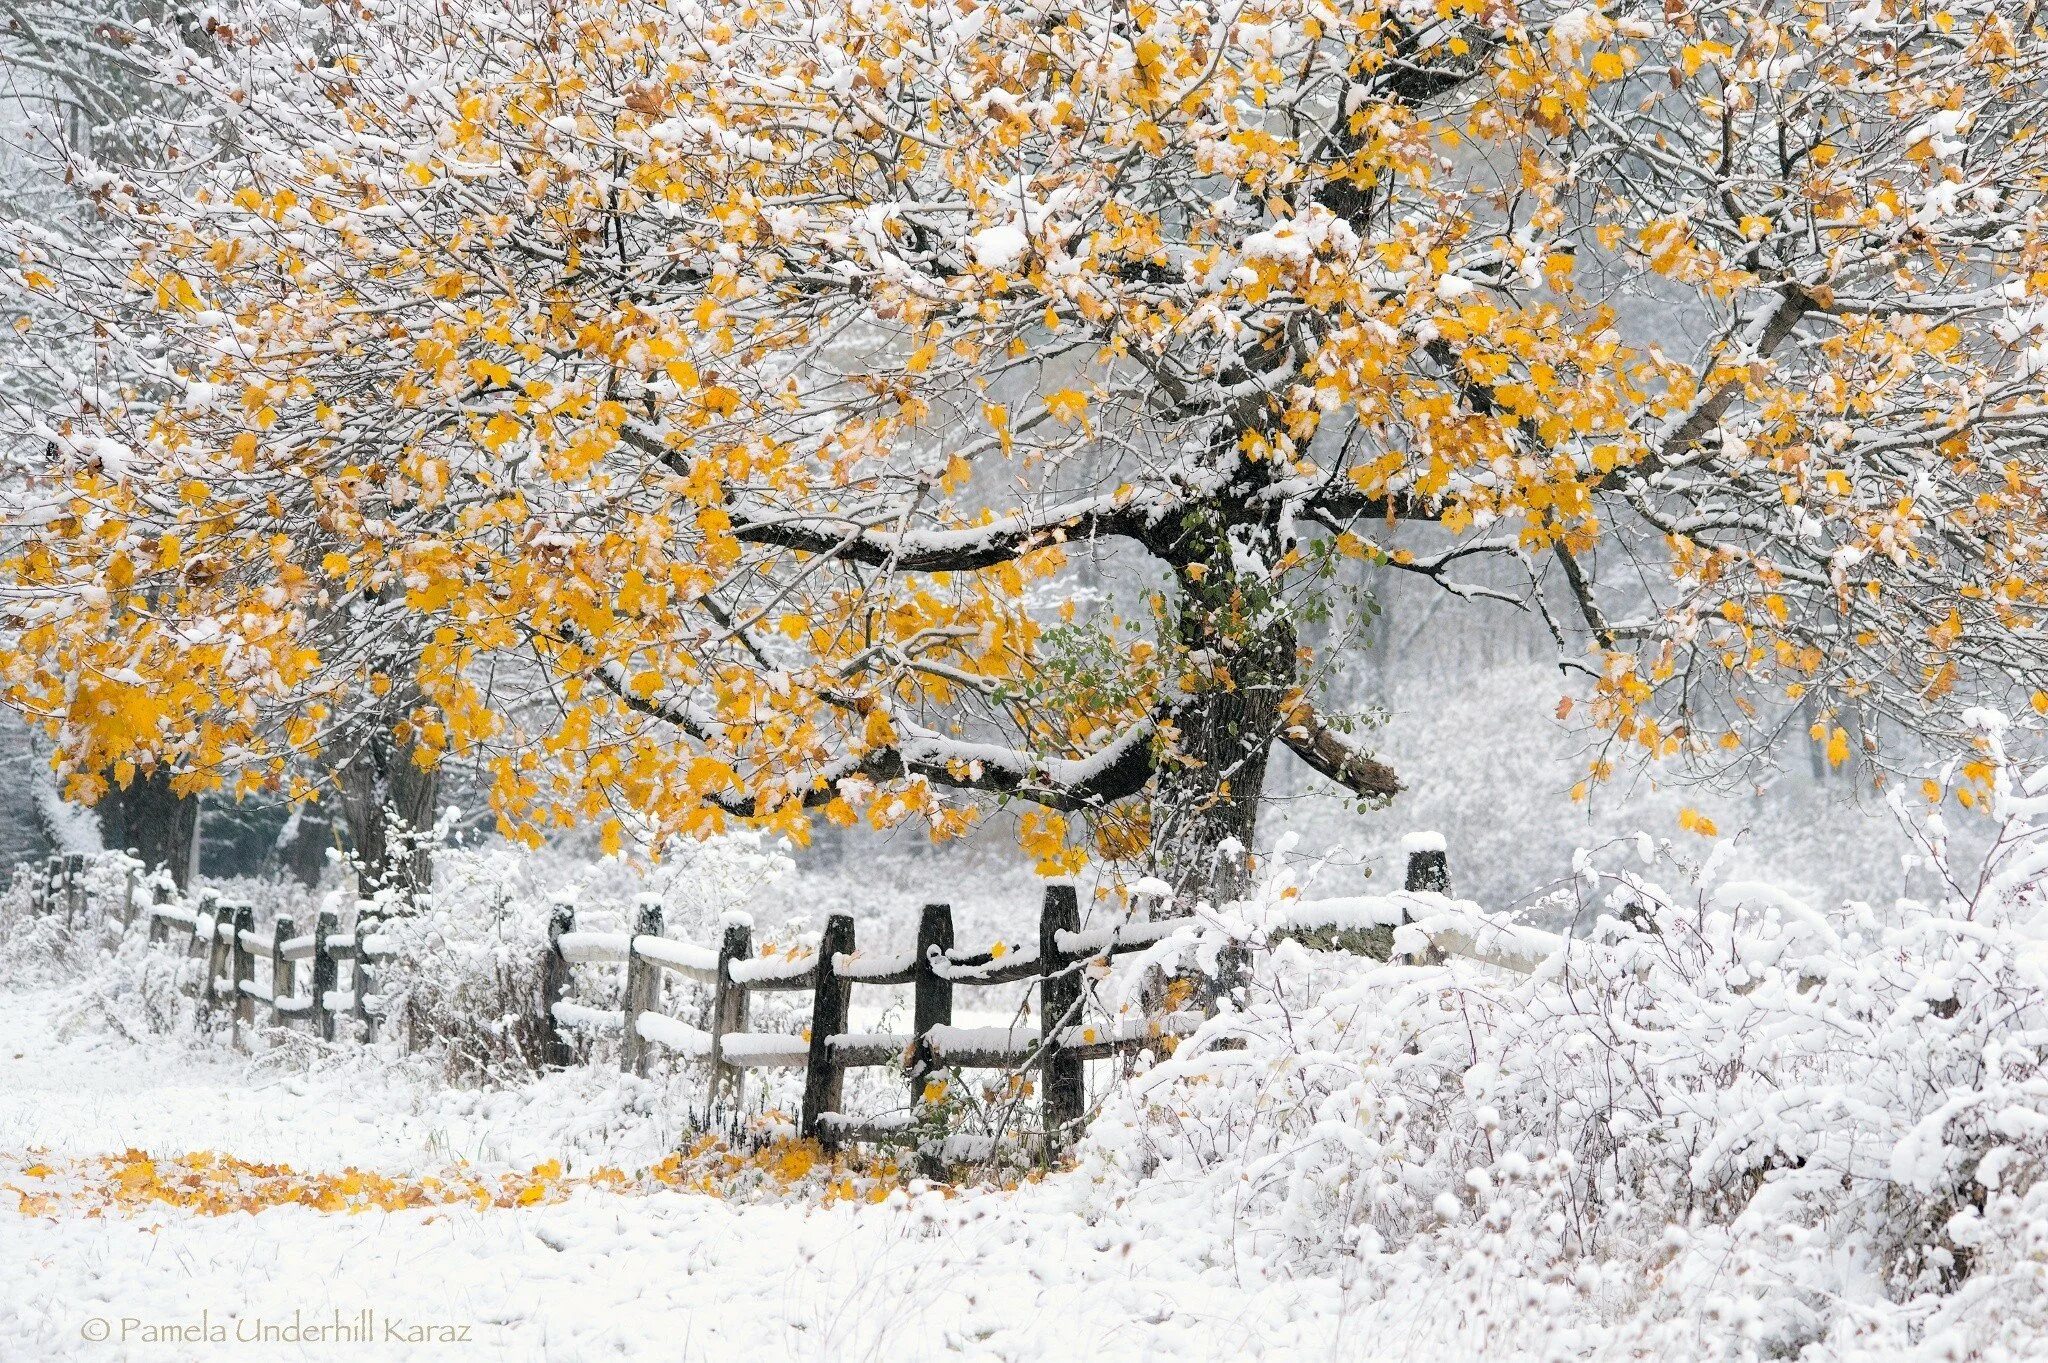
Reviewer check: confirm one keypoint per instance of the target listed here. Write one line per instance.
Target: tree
(717, 394)
(83, 87)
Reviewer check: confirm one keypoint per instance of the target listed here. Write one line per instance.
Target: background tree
(716, 401)
(82, 87)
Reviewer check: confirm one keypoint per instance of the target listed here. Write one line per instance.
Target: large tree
(81, 87)
(717, 394)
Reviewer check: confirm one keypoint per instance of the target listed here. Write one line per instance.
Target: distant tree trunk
(387, 804)
(304, 852)
(160, 825)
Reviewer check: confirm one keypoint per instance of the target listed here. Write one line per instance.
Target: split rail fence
(326, 976)
(323, 977)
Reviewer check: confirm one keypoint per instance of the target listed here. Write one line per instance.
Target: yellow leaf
(1693, 821)
(1068, 405)
(499, 431)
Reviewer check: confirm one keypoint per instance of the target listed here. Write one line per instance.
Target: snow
(662, 1276)
(580, 1016)
(999, 247)
(764, 1048)
(876, 966)
(677, 1036)
(684, 956)
(1797, 1117)
(766, 968)
(593, 947)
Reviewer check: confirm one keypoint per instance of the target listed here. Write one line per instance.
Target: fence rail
(325, 977)
(934, 970)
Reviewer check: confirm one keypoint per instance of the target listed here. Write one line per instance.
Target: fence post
(365, 977)
(1429, 872)
(1064, 1094)
(643, 985)
(729, 1001)
(53, 880)
(554, 983)
(1429, 868)
(280, 970)
(196, 944)
(74, 888)
(244, 972)
(159, 928)
(128, 899)
(215, 957)
(824, 1078)
(932, 1006)
(325, 974)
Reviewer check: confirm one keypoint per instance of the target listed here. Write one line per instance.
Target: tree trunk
(1235, 648)
(303, 854)
(387, 803)
(161, 826)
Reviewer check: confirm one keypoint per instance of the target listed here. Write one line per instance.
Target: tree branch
(1335, 756)
(951, 551)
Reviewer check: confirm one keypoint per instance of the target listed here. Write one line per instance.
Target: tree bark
(160, 825)
(1236, 651)
(387, 803)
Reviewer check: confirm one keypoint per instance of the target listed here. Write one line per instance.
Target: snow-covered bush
(107, 977)
(1718, 1123)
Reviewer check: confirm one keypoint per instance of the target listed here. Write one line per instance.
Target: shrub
(1725, 1119)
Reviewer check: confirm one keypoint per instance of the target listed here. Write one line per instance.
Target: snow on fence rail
(1421, 923)
(304, 982)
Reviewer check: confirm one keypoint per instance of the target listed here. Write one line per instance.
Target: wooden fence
(1056, 1050)
(326, 977)
(323, 978)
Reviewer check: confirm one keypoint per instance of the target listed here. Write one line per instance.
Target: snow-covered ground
(1720, 1123)
(662, 1275)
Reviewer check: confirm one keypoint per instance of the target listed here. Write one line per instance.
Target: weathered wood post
(367, 921)
(280, 970)
(555, 1050)
(128, 897)
(326, 974)
(643, 985)
(824, 1078)
(159, 927)
(242, 923)
(365, 977)
(74, 888)
(215, 956)
(729, 1002)
(931, 1006)
(53, 882)
(1429, 872)
(1064, 1091)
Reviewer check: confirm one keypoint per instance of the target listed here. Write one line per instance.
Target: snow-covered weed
(1718, 1121)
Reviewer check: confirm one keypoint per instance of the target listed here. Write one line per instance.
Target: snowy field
(1721, 1123)
(666, 1275)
